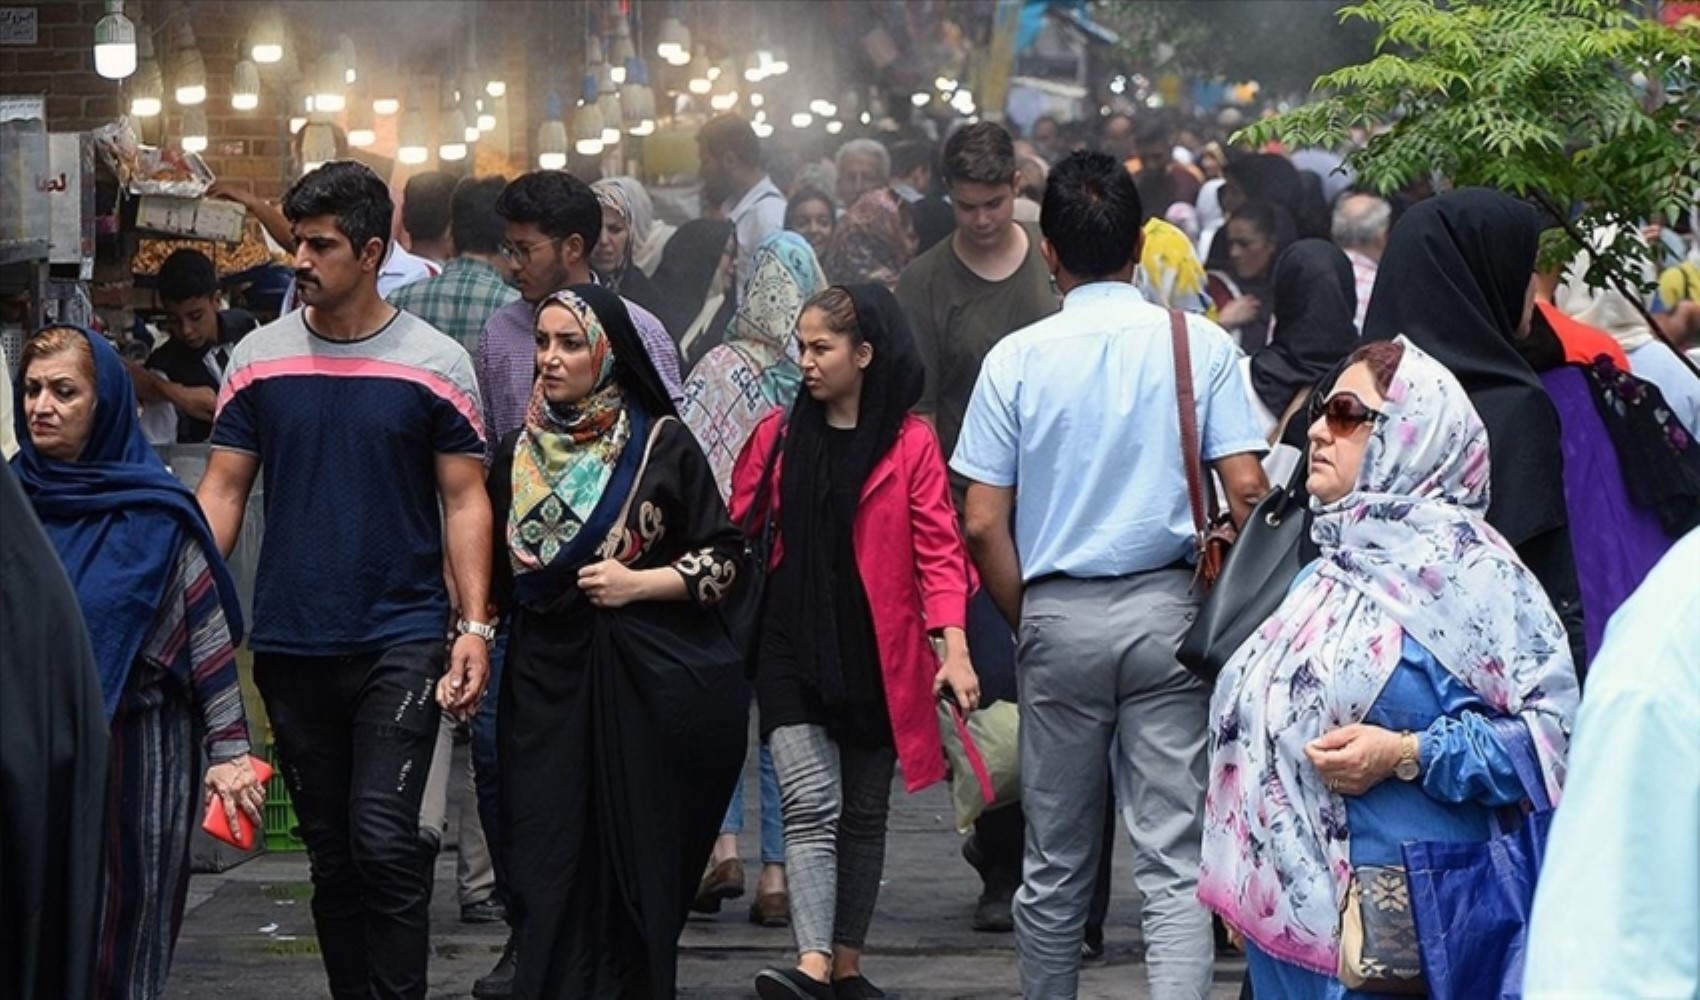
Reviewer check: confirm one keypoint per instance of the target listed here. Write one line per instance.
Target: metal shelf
(22, 251)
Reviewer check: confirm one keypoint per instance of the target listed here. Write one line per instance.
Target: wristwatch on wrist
(1410, 764)
(467, 626)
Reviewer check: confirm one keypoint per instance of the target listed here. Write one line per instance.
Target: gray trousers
(1096, 669)
(835, 801)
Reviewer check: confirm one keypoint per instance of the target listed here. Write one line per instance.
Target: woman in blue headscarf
(163, 622)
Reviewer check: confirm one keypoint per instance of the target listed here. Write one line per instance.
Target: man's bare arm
(223, 493)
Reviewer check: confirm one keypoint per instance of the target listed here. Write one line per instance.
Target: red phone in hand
(217, 823)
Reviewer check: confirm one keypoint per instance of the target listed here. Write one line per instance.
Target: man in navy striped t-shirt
(366, 422)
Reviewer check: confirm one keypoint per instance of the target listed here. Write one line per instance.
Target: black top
(185, 365)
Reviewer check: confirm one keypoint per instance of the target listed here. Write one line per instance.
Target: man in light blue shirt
(1074, 429)
(1617, 913)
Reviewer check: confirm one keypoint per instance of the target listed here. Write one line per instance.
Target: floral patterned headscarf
(565, 455)
(1406, 553)
(872, 242)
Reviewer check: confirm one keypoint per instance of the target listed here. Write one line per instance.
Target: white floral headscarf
(1407, 552)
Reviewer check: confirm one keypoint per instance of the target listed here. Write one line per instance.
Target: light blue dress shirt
(1078, 413)
(1617, 911)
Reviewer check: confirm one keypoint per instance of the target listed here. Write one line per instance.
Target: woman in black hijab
(870, 571)
(1256, 235)
(621, 723)
(1456, 279)
(1315, 301)
(693, 300)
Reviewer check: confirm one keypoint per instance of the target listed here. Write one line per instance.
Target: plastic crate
(283, 834)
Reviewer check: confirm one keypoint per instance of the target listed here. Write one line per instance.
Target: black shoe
(490, 911)
(1092, 947)
(499, 984)
(972, 854)
(856, 988)
(992, 912)
(790, 984)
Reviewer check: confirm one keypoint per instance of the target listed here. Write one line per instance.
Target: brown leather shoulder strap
(1188, 408)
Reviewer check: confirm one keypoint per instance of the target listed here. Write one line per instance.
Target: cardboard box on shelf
(204, 218)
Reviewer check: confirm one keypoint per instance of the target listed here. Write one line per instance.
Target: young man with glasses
(553, 223)
(1077, 516)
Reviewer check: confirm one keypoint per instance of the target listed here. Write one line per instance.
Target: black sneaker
(499, 984)
(856, 988)
(992, 913)
(490, 911)
(791, 984)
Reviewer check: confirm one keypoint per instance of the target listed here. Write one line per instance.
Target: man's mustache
(305, 278)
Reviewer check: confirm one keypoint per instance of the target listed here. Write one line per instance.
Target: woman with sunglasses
(1362, 714)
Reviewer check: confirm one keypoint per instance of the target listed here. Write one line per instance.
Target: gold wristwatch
(1410, 764)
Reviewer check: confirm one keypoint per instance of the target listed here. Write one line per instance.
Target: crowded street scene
(845, 499)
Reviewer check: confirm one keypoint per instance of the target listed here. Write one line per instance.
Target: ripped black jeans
(357, 735)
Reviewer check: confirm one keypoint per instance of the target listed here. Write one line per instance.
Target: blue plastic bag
(1471, 901)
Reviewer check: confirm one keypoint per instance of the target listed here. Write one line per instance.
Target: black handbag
(742, 609)
(1255, 577)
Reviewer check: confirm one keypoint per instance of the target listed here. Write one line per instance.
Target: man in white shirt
(733, 178)
(1617, 912)
(1360, 226)
(1078, 519)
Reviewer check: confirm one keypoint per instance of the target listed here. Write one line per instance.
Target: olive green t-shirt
(957, 316)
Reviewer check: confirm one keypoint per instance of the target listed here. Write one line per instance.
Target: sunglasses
(1344, 413)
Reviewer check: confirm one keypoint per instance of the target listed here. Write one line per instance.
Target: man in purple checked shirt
(553, 222)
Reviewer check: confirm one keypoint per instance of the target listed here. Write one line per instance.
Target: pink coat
(914, 568)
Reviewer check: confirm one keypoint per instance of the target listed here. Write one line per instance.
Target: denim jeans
(357, 735)
(772, 822)
(484, 768)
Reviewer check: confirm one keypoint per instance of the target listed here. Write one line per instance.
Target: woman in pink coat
(867, 570)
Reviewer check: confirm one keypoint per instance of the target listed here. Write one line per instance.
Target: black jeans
(357, 735)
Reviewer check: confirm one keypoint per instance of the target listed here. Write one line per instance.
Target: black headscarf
(809, 523)
(634, 369)
(1316, 299)
(686, 271)
(1453, 279)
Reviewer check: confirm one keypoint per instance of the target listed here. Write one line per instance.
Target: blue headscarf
(117, 518)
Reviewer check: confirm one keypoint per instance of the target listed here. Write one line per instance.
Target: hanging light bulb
(189, 74)
(318, 143)
(778, 66)
(245, 85)
(673, 40)
(637, 101)
(147, 91)
(757, 100)
(762, 129)
(496, 87)
(328, 83)
(361, 134)
(700, 83)
(413, 136)
(834, 127)
(802, 119)
(345, 54)
(266, 42)
(114, 43)
(824, 108)
(298, 120)
(453, 130)
(486, 116)
(385, 106)
(587, 122)
(622, 52)
(194, 129)
(754, 68)
(552, 137)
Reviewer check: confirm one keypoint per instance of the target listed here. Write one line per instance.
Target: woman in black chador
(623, 705)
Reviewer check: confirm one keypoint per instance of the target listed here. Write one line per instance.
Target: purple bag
(1471, 901)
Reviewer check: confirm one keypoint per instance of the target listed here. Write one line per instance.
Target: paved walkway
(248, 932)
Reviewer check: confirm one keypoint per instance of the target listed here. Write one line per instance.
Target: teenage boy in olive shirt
(961, 297)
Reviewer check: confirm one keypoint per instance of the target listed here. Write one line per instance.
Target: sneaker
(856, 988)
(992, 913)
(722, 882)
(499, 984)
(490, 911)
(791, 984)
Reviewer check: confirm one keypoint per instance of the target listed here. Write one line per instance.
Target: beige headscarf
(1604, 308)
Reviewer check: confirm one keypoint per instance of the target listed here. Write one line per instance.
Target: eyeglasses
(1344, 413)
(520, 253)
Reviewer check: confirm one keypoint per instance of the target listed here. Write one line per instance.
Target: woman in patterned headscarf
(873, 242)
(1418, 647)
(614, 258)
(745, 378)
(611, 550)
